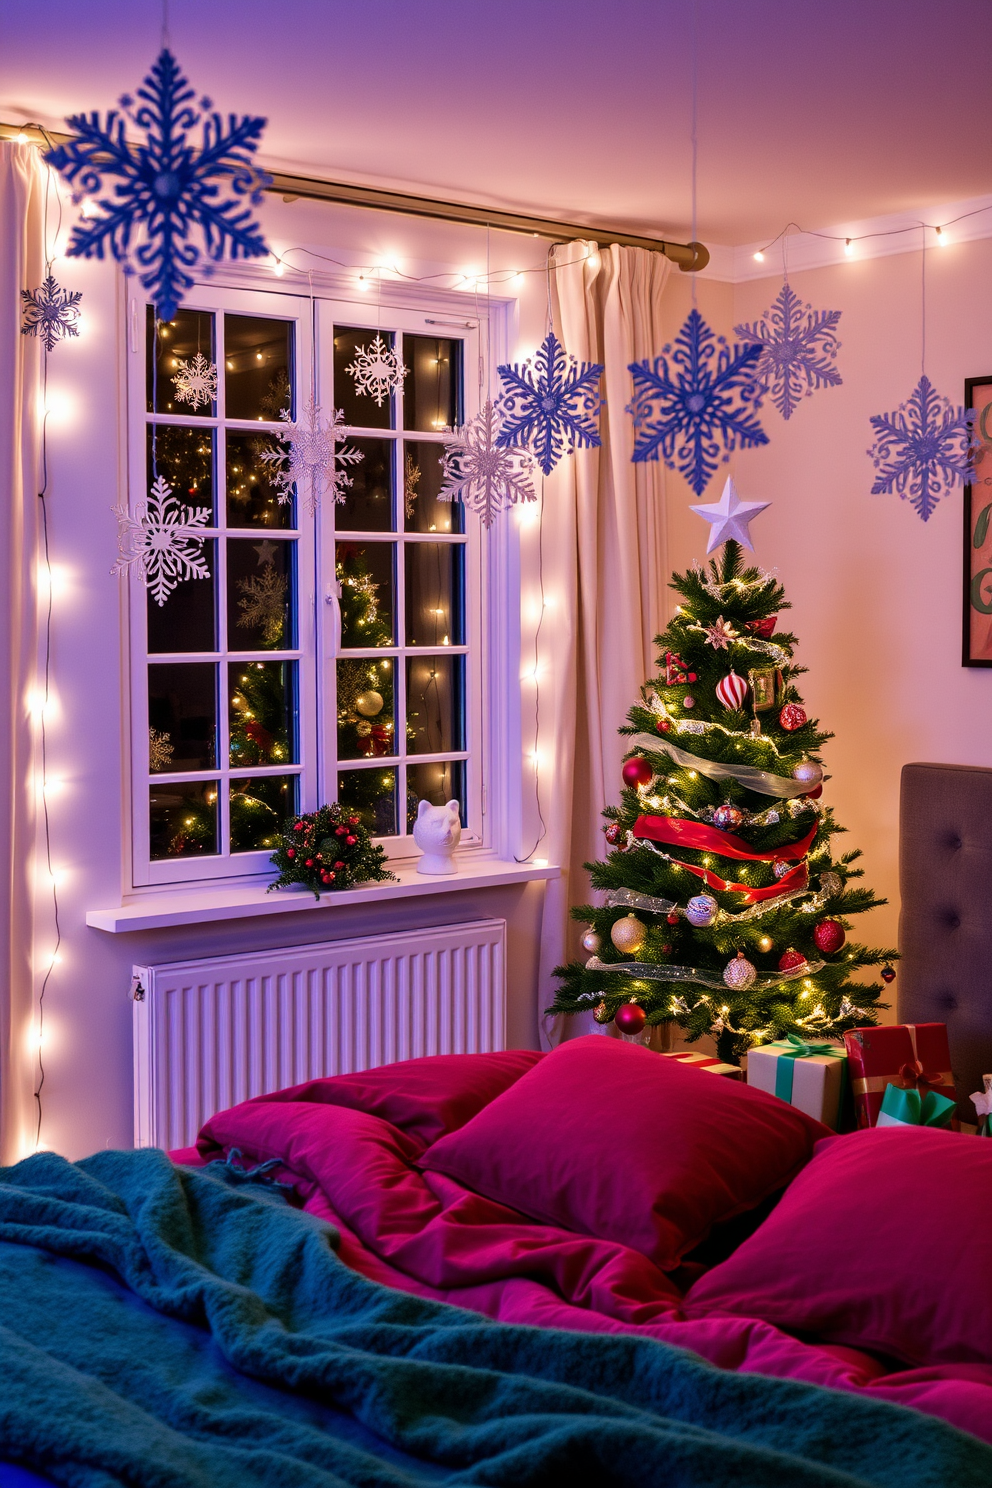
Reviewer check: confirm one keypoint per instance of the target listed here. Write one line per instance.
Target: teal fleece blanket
(169, 1328)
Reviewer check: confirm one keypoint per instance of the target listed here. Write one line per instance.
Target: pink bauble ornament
(739, 974)
(781, 869)
(727, 817)
(732, 691)
(829, 936)
(792, 717)
(688, 701)
(591, 942)
(630, 1018)
(637, 772)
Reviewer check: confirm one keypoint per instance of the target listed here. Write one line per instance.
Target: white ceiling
(818, 111)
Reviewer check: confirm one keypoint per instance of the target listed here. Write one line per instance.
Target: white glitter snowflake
(51, 312)
(196, 381)
(377, 370)
(156, 541)
(314, 459)
(923, 450)
(798, 347)
(478, 472)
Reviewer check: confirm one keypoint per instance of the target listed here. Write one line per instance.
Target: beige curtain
(22, 187)
(605, 560)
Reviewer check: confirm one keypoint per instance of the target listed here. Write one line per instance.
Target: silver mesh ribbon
(762, 781)
(648, 971)
(632, 900)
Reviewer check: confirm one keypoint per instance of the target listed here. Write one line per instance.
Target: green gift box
(910, 1108)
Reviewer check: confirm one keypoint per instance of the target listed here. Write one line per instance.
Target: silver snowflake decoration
(479, 472)
(923, 450)
(311, 460)
(798, 347)
(550, 404)
(196, 381)
(377, 370)
(157, 544)
(697, 408)
(51, 313)
(165, 184)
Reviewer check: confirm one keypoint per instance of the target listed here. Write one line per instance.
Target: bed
(334, 1286)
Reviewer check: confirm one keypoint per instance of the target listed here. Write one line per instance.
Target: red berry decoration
(350, 841)
(309, 862)
(672, 919)
(291, 852)
(630, 1018)
(888, 974)
(792, 717)
(637, 772)
(790, 959)
(691, 677)
(829, 936)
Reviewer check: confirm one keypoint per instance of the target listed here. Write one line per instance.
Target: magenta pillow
(611, 1140)
(422, 1097)
(883, 1242)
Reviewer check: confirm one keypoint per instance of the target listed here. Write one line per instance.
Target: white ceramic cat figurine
(437, 832)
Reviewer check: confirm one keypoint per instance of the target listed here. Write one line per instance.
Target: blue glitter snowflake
(798, 346)
(923, 449)
(549, 404)
(165, 184)
(700, 407)
(51, 312)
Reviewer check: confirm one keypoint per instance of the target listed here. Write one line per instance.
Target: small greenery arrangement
(328, 849)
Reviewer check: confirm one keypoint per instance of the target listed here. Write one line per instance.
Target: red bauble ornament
(814, 795)
(790, 959)
(339, 865)
(691, 677)
(350, 841)
(792, 717)
(829, 936)
(727, 817)
(291, 852)
(614, 833)
(888, 974)
(637, 772)
(340, 831)
(672, 919)
(630, 1018)
(309, 863)
(663, 725)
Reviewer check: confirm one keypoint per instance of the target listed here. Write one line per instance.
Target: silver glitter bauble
(831, 883)
(739, 974)
(808, 771)
(591, 942)
(702, 910)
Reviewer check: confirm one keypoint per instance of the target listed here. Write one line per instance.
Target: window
(327, 658)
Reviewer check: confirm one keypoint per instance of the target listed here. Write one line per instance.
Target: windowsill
(201, 906)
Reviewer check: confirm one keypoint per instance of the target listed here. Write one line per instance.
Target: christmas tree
(726, 910)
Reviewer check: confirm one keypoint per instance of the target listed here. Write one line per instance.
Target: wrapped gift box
(706, 1062)
(902, 1107)
(912, 1056)
(808, 1076)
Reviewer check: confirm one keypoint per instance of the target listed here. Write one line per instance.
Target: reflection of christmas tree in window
(365, 686)
(259, 713)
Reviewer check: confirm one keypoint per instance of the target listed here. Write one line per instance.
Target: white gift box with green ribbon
(810, 1076)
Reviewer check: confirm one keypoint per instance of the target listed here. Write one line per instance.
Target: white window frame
(492, 712)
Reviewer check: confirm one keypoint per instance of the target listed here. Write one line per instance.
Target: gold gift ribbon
(869, 1084)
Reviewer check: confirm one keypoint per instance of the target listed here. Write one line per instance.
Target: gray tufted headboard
(945, 924)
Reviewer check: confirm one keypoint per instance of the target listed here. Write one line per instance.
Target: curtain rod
(690, 257)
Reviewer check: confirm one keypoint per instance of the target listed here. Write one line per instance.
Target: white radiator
(211, 1033)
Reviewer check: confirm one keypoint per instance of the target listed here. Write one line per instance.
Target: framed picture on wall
(977, 649)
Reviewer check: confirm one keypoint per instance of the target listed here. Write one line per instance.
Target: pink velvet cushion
(422, 1097)
(884, 1242)
(611, 1140)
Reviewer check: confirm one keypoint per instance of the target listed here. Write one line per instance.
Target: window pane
(262, 712)
(359, 409)
(365, 572)
(182, 717)
(368, 501)
(183, 819)
(189, 334)
(259, 808)
(260, 595)
(186, 622)
(252, 499)
(434, 594)
(185, 458)
(437, 782)
(430, 389)
(434, 704)
(258, 355)
(372, 794)
(365, 709)
(421, 483)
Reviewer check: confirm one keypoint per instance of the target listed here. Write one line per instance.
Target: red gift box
(708, 1063)
(913, 1056)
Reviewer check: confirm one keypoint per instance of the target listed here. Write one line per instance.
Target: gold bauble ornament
(369, 703)
(628, 934)
(601, 1013)
(766, 944)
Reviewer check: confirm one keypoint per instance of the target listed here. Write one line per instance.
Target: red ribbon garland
(677, 832)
